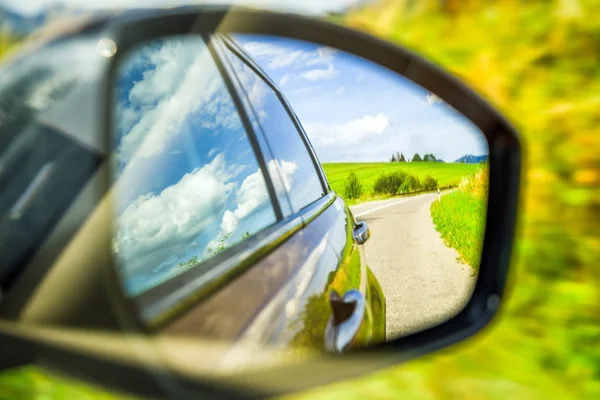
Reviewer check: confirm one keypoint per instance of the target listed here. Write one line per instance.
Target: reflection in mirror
(406, 163)
(274, 191)
(189, 184)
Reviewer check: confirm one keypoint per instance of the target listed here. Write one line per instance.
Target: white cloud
(341, 89)
(262, 49)
(262, 114)
(286, 171)
(278, 57)
(173, 61)
(349, 133)
(183, 81)
(324, 55)
(229, 224)
(156, 226)
(319, 74)
(304, 90)
(285, 79)
(256, 89)
(212, 152)
(433, 99)
(253, 193)
(251, 197)
(234, 170)
(285, 59)
(126, 118)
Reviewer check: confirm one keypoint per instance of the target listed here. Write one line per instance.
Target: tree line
(389, 184)
(399, 157)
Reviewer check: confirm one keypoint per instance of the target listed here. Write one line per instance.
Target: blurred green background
(539, 63)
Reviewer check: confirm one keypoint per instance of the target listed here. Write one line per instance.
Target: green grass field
(460, 218)
(447, 174)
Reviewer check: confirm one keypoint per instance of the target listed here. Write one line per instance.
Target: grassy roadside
(460, 218)
(36, 383)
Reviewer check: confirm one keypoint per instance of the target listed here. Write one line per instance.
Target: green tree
(416, 158)
(410, 184)
(221, 246)
(402, 159)
(393, 159)
(389, 184)
(430, 183)
(192, 262)
(353, 189)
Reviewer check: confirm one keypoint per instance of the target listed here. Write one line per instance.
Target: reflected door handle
(346, 318)
(361, 232)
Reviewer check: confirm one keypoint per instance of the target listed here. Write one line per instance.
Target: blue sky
(355, 110)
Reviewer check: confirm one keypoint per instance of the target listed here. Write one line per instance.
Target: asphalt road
(422, 280)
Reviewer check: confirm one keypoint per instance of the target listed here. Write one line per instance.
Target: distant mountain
(470, 159)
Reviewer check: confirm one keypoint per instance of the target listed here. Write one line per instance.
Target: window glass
(189, 185)
(292, 161)
(276, 179)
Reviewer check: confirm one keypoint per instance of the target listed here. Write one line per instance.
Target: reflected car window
(292, 160)
(188, 183)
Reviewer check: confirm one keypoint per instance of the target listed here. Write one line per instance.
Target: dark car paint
(283, 299)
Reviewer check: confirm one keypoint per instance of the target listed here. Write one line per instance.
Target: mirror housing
(77, 352)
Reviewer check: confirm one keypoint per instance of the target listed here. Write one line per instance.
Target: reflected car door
(334, 266)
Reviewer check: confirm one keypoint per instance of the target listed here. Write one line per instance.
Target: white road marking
(385, 206)
(397, 202)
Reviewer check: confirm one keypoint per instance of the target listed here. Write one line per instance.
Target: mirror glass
(280, 192)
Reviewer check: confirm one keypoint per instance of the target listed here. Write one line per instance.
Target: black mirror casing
(129, 30)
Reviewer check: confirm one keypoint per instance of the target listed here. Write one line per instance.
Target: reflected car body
(53, 162)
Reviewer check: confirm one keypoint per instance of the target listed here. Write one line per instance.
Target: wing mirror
(249, 224)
